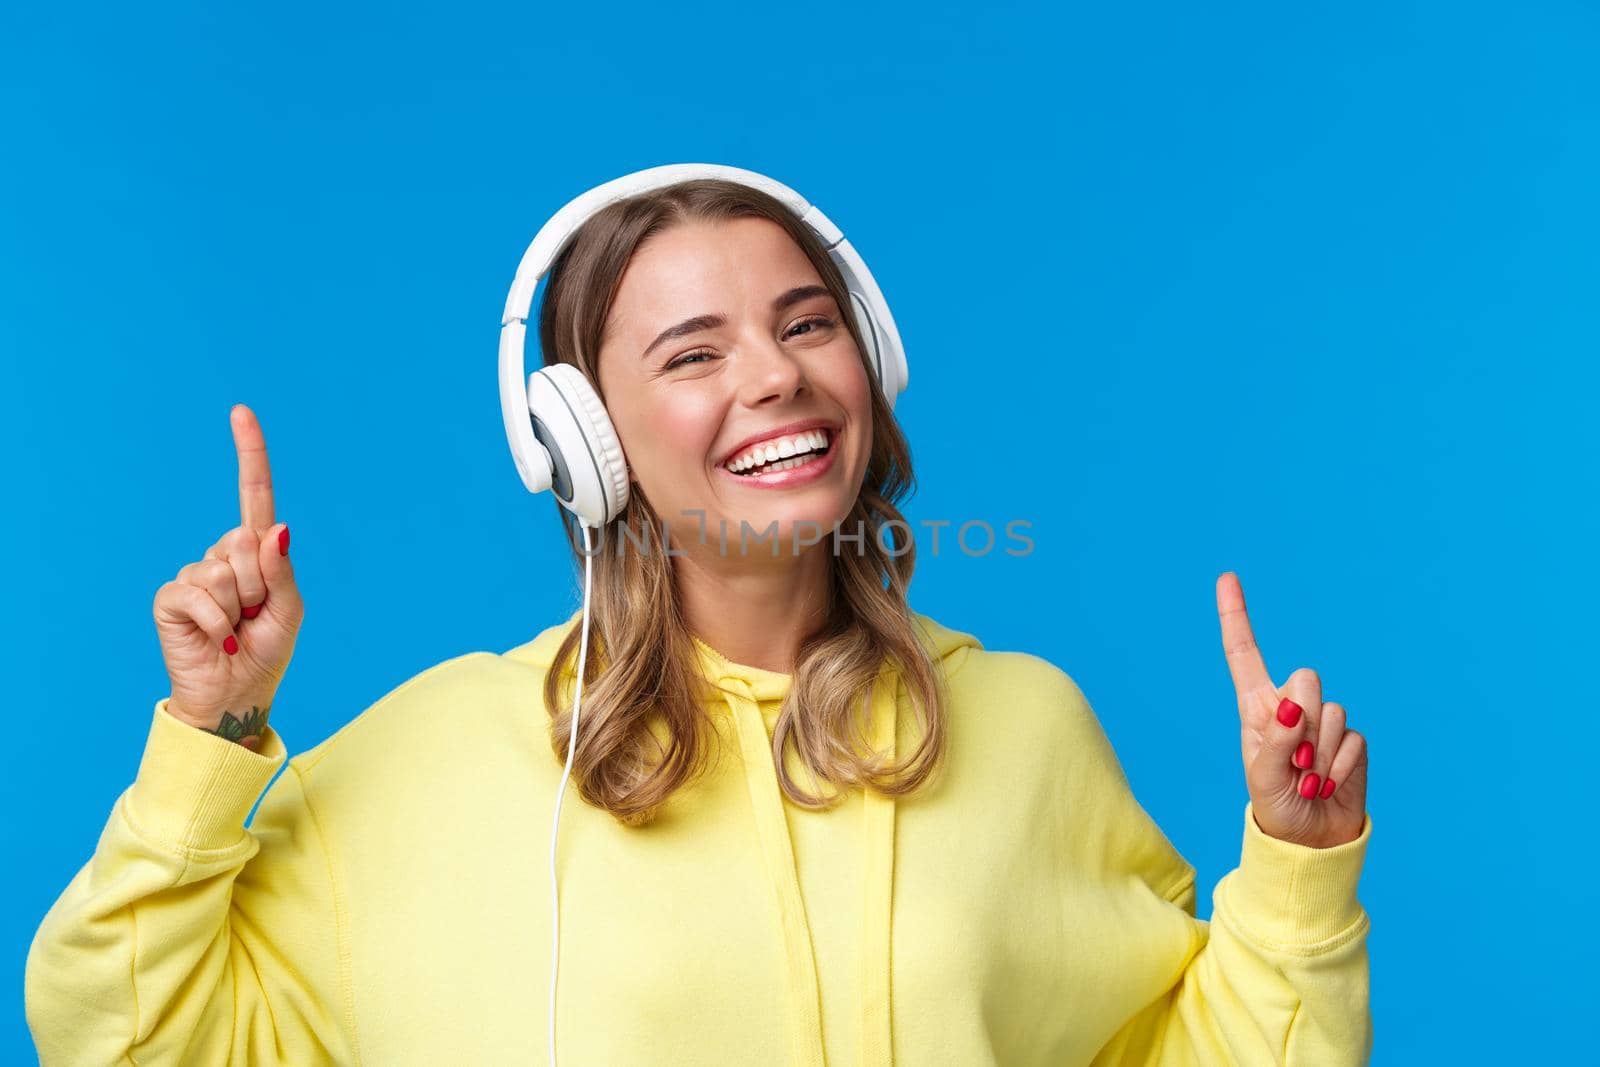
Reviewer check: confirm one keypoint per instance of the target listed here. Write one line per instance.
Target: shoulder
(1026, 689)
(965, 656)
(454, 692)
(471, 699)
(424, 696)
(462, 739)
(1031, 715)
(1022, 671)
(1066, 745)
(1018, 695)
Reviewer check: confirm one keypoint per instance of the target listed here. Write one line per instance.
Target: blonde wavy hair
(642, 666)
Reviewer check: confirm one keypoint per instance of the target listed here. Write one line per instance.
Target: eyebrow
(711, 322)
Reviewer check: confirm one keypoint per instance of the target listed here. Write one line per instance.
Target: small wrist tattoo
(246, 731)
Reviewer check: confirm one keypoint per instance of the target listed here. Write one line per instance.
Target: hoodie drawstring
(766, 800)
(877, 905)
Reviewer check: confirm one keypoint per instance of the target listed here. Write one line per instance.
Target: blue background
(1307, 295)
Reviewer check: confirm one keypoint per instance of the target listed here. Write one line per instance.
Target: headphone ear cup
(589, 474)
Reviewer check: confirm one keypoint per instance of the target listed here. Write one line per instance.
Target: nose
(768, 372)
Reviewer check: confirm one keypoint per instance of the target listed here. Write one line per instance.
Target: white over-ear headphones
(562, 439)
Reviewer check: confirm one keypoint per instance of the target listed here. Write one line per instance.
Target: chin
(814, 519)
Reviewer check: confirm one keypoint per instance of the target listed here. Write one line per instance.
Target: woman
(818, 827)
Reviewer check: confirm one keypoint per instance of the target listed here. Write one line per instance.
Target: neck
(755, 612)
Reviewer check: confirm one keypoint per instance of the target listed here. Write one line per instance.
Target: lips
(817, 468)
(779, 431)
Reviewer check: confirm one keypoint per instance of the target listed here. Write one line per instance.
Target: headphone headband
(554, 234)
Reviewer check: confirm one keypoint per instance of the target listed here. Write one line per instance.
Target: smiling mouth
(799, 458)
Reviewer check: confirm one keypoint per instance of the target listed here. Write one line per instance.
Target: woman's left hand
(1295, 747)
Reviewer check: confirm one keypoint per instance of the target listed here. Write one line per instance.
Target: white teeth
(782, 449)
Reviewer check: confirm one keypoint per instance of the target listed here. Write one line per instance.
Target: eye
(689, 357)
(815, 320)
(700, 354)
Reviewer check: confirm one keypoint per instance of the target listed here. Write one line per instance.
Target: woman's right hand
(227, 622)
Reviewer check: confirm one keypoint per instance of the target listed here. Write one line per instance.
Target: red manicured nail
(1303, 755)
(253, 611)
(283, 541)
(1308, 788)
(230, 646)
(1327, 789)
(1288, 712)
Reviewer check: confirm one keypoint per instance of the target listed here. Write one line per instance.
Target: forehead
(700, 268)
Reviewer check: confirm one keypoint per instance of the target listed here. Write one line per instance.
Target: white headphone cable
(555, 823)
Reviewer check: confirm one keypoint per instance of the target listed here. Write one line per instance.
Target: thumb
(283, 595)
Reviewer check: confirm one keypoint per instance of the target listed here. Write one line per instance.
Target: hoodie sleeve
(1278, 975)
(186, 937)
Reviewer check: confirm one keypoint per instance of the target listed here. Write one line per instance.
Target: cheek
(849, 383)
(852, 388)
(670, 433)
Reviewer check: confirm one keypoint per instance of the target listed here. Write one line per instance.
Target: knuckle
(173, 597)
(217, 573)
(235, 540)
(1240, 646)
(204, 604)
(1307, 676)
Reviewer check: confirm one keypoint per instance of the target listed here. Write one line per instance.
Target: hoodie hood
(752, 698)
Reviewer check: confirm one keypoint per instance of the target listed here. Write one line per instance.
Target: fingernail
(230, 646)
(283, 541)
(1327, 789)
(1304, 754)
(1288, 712)
(251, 612)
(1308, 787)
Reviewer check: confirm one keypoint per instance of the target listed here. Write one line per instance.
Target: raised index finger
(1249, 670)
(255, 474)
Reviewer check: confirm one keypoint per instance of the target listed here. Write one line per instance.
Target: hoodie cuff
(194, 789)
(1293, 896)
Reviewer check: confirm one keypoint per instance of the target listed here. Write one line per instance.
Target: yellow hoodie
(389, 904)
